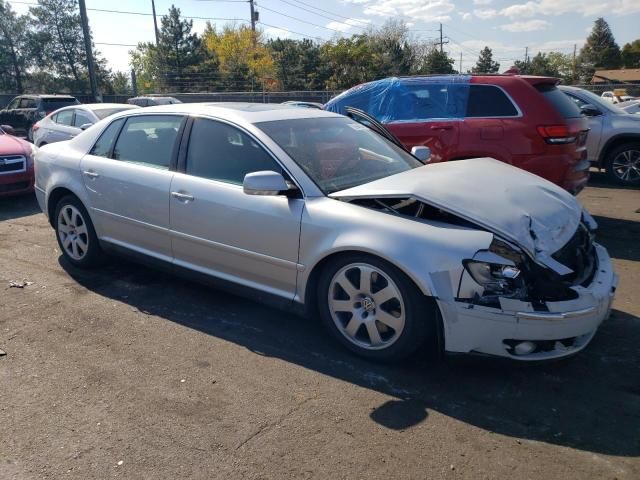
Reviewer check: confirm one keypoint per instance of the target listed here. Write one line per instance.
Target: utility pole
(440, 38)
(134, 83)
(526, 56)
(460, 63)
(87, 46)
(155, 21)
(253, 16)
(573, 64)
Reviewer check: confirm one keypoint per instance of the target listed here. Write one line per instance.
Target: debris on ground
(19, 284)
(2, 353)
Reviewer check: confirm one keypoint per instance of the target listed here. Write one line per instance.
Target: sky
(508, 27)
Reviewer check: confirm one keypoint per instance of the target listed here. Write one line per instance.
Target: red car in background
(522, 120)
(16, 164)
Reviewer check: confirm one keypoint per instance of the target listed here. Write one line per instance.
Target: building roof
(622, 75)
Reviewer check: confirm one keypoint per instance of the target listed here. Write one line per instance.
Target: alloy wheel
(626, 166)
(366, 306)
(73, 233)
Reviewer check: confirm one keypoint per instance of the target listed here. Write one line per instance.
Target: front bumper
(566, 328)
(16, 184)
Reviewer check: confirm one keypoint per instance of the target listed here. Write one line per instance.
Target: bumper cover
(16, 184)
(565, 329)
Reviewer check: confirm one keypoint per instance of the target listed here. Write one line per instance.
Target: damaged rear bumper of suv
(525, 331)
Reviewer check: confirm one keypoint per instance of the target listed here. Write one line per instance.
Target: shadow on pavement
(590, 402)
(621, 237)
(18, 206)
(601, 179)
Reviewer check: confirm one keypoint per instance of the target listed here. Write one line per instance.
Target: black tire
(30, 133)
(93, 255)
(421, 318)
(616, 176)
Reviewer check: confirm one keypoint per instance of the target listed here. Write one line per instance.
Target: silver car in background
(67, 122)
(323, 213)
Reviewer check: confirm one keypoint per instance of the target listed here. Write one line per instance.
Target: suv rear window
(489, 101)
(559, 100)
(51, 104)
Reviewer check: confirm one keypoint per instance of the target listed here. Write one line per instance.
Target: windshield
(597, 101)
(338, 153)
(105, 112)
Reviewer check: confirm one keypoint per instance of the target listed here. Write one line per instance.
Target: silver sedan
(65, 123)
(323, 213)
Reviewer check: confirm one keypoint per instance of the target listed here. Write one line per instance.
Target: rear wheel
(75, 233)
(623, 164)
(30, 133)
(374, 309)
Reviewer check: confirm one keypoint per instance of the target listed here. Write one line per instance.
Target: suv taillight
(35, 127)
(556, 134)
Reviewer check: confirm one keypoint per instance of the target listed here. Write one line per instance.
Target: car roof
(54, 96)
(238, 111)
(98, 106)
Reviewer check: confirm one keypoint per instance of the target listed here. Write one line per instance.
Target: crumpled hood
(535, 214)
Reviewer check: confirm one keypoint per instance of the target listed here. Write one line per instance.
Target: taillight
(556, 134)
(35, 127)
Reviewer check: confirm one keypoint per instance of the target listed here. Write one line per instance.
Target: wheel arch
(613, 143)
(54, 197)
(311, 284)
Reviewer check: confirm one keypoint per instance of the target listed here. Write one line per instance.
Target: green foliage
(485, 63)
(631, 54)
(436, 62)
(600, 50)
(13, 48)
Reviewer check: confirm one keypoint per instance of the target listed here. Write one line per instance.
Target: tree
(120, 83)
(13, 48)
(298, 64)
(631, 54)
(436, 61)
(57, 41)
(600, 50)
(485, 63)
(393, 55)
(245, 62)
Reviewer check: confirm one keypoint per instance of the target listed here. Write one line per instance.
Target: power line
(300, 20)
(330, 18)
(290, 31)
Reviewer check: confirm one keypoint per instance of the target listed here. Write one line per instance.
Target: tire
(623, 164)
(75, 233)
(404, 321)
(30, 133)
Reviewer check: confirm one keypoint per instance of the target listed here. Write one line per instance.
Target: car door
(429, 114)
(61, 127)
(128, 175)
(219, 230)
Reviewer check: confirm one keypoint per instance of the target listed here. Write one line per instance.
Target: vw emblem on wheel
(368, 304)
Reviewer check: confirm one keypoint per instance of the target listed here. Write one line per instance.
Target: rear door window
(51, 104)
(489, 101)
(27, 103)
(562, 103)
(81, 118)
(148, 140)
(418, 102)
(64, 117)
(103, 146)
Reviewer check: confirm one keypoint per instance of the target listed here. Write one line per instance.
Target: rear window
(559, 100)
(105, 112)
(489, 101)
(51, 104)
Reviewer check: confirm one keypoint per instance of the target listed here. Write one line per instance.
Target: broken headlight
(496, 279)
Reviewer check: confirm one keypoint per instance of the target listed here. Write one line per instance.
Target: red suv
(522, 120)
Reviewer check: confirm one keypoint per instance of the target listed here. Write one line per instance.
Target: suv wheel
(374, 310)
(623, 164)
(75, 233)
(30, 133)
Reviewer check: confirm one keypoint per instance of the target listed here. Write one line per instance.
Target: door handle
(441, 127)
(91, 174)
(182, 196)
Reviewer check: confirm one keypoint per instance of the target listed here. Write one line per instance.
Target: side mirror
(589, 110)
(8, 129)
(421, 153)
(84, 126)
(264, 183)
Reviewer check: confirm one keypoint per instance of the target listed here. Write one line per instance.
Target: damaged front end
(504, 272)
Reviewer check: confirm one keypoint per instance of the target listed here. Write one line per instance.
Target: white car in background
(65, 123)
(630, 106)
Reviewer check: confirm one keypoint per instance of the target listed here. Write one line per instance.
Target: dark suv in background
(522, 120)
(25, 110)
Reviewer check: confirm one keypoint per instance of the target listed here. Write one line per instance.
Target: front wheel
(374, 309)
(75, 233)
(623, 164)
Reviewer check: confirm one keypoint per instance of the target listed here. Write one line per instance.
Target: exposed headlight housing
(496, 279)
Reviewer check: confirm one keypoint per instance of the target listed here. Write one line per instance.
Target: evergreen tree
(13, 49)
(436, 62)
(631, 54)
(601, 49)
(485, 63)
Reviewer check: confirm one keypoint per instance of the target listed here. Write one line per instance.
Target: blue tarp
(410, 99)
